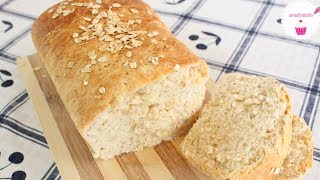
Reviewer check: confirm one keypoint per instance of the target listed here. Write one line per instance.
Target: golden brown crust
(56, 47)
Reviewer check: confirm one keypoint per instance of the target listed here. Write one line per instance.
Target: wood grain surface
(70, 151)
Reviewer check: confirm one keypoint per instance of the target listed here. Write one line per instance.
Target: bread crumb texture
(245, 126)
(154, 113)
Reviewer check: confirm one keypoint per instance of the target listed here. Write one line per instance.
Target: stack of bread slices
(248, 131)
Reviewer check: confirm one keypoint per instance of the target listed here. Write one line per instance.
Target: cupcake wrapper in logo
(301, 31)
(300, 19)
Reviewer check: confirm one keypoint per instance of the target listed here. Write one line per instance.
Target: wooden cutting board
(70, 152)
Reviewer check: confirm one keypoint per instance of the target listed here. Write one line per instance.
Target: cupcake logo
(301, 28)
(301, 19)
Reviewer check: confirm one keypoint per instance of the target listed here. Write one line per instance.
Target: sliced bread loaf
(244, 131)
(300, 153)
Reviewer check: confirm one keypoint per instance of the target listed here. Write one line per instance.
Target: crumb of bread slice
(159, 111)
(244, 131)
(299, 158)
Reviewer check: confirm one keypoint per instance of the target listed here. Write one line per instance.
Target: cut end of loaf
(245, 126)
(159, 111)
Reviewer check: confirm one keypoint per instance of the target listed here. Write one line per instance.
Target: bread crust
(273, 159)
(300, 155)
(56, 47)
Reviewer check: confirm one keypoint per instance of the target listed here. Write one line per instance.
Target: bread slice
(300, 153)
(244, 131)
(126, 81)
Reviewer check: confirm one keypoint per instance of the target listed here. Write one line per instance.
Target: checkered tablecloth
(230, 35)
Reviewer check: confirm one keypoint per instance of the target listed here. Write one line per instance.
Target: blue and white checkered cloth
(230, 35)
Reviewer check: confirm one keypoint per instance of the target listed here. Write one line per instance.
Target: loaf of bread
(244, 131)
(300, 153)
(126, 81)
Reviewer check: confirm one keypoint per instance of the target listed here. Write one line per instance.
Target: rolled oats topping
(136, 43)
(87, 69)
(102, 90)
(51, 11)
(94, 11)
(176, 67)
(113, 34)
(93, 62)
(77, 40)
(102, 59)
(133, 65)
(75, 35)
(154, 41)
(87, 19)
(62, 9)
(85, 82)
(89, 4)
(153, 34)
(126, 64)
(55, 15)
(96, 6)
(129, 54)
(92, 57)
(70, 64)
(128, 46)
(116, 5)
(67, 12)
(83, 28)
(77, 4)
(90, 53)
(154, 60)
(134, 11)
